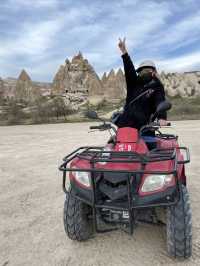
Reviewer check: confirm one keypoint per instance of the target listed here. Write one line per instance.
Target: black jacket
(139, 113)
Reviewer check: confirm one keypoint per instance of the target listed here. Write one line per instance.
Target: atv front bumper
(131, 201)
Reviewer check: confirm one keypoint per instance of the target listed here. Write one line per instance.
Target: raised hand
(122, 45)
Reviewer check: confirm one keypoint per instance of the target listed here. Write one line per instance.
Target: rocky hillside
(23, 88)
(78, 83)
(8, 87)
(1, 88)
(77, 76)
(78, 80)
(76, 87)
(182, 84)
(185, 85)
(114, 85)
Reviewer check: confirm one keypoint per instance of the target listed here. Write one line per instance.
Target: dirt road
(31, 202)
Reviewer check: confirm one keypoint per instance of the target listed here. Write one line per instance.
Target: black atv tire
(78, 226)
(179, 227)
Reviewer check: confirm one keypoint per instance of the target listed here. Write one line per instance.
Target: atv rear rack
(97, 154)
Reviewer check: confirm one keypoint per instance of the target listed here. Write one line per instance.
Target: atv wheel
(78, 225)
(179, 227)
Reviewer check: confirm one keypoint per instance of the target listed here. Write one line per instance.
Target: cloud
(122, 22)
(32, 3)
(33, 39)
(39, 33)
(179, 34)
(180, 63)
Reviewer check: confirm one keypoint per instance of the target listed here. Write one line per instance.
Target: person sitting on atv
(145, 77)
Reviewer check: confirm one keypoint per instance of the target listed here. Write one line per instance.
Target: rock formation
(13, 87)
(182, 84)
(9, 87)
(24, 76)
(176, 84)
(104, 78)
(25, 90)
(1, 88)
(77, 79)
(114, 85)
(43, 87)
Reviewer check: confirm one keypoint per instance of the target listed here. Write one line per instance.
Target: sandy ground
(31, 202)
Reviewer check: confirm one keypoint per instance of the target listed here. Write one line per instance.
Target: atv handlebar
(157, 124)
(94, 127)
(104, 126)
(101, 127)
(107, 126)
(153, 126)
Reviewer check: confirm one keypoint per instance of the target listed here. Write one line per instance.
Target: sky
(38, 35)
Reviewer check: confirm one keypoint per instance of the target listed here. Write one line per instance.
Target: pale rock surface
(104, 77)
(77, 78)
(25, 90)
(182, 84)
(1, 88)
(12, 87)
(9, 86)
(114, 86)
(95, 100)
(78, 83)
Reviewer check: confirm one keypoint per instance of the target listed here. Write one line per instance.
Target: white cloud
(33, 40)
(32, 3)
(45, 70)
(180, 63)
(94, 29)
(136, 26)
(178, 34)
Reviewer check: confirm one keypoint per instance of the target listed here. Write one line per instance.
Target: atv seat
(127, 139)
(127, 134)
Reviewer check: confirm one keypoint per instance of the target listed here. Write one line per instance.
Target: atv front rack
(97, 154)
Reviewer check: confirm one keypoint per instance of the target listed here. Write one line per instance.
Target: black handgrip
(94, 127)
(157, 124)
(102, 127)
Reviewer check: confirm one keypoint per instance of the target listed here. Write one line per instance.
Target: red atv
(132, 179)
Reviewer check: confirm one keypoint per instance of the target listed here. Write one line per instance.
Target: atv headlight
(156, 182)
(82, 177)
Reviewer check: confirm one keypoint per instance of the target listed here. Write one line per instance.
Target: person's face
(146, 74)
(147, 71)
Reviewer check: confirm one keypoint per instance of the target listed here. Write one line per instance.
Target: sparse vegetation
(43, 110)
(184, 108)
(14, 113)
(55, 110)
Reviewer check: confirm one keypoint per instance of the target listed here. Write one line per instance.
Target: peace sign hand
(122, 45)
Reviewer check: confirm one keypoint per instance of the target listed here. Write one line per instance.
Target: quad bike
(129, 181)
